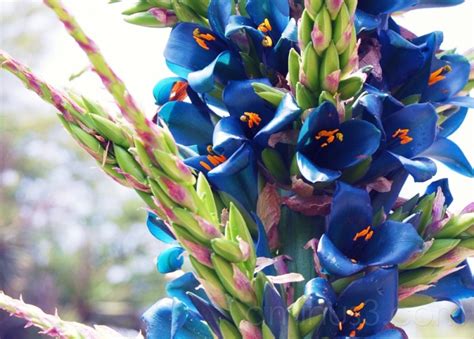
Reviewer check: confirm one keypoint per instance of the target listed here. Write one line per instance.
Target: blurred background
(70, 237)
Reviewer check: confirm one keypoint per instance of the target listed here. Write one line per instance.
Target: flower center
(266, 27)
(354, 312)
(439, 74)
(213, 158)
(252, 119)
(201, 38)
(402, 134)
(367, 233)
(329, 136)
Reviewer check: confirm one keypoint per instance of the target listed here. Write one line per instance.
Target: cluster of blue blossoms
(236, 119)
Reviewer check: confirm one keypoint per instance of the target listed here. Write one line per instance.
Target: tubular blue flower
(411, 137)
(170, 318)
(268, 32)
(363, 309)
(371, 14)
(454, 288)
(326, 147)
(352, 242)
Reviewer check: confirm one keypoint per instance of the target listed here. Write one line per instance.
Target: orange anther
(362, 233)
(369, 236)
(352, 334)
(361, 325)
(252, 119)
(359, 307)
(201, 38)
(402, 134)
(330, 136)
(205, 165)
(265, 26)
(340, 326)
(267, 41)
(439, 75)
(178, 91)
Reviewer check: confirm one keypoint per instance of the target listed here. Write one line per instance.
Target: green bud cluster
(328, 45)
(448, 242)
(166, 13)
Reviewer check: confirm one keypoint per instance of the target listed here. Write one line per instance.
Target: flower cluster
(276, 160)
(313, 128)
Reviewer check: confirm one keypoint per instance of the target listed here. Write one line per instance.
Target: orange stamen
(330, 136)
(252, 119)
(350, 313)
(402, 134)
(362, 233)
(201, 38)
(439, 75)
(352, 334)
(265, 26)
(205, 165)
(267, 41)
(359, 307)
(340, 326)
(178, 91)
(361, 325)
(369, 236)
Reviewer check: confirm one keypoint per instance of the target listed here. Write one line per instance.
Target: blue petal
(324, 116)
(196, 58)
(386, 200)
(209, 313)
(444, 185)
(334, 261)
(320, 295)
(236, 90)
(421, 169)
(229, 135)
(238, 177)
(455, 287)
(391, 333)
(163, 89)
(314, 173)
(159, 321)
(420, 120)
(454, 80)
(351, 212)
(286, 113)
(392, 244)
(189, 125)
(244, 35)
(385, 7)
(275, 312)
(379, 291)
(453, 122)
(451, 155)
(170, 260)
(158, 229)
(225, 67)
(219, 12)
(179, 287)
(366, 22)
(276, 11)
(462, 101)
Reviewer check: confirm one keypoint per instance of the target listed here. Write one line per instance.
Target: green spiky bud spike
(305, 28)
(304, 97)
(238, 231)
(204, 192)
(351, 86)
(228, 249)
(343, 28)
(294, 68)
(110, 130)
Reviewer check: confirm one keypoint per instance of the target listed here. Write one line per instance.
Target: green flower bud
(198, 6)
(187, 14)
(275, 165)
(228, 249)
(111, 171)
(334, 7)
(425, 207)
(268, 93)
(140, 6)
(228, 330)
(343, 29)
(436, 250)
(240, 312)
(128, 164)
(456, 225)
(144, 160)
(213, 286)
(294, 67)
(351, 6)
(266, 332)
(91, 145)
(204, 192)
(304, 97)
(308, 325)
(237, 228)
(110, 130)
(94, 108)
(234, 280)
(175, 168)
(168, 4)
(258, 284)
(326, 96)
(349, 59)
(149, 19)
(351, 86)
(330, 72)
(321, 34)
(305, 28)
(419, 276)
(313, 6)
(310, 72)
(182, 195)
(415, 300)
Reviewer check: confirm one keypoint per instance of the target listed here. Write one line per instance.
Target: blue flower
(326, 147)
(455, 287)
(363, 309)
(352, 242)
(411, 137)
(170, 318)
(372, 14)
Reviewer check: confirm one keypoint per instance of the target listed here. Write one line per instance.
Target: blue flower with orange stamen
(363, 309)
(352, 242)
(326, 147)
